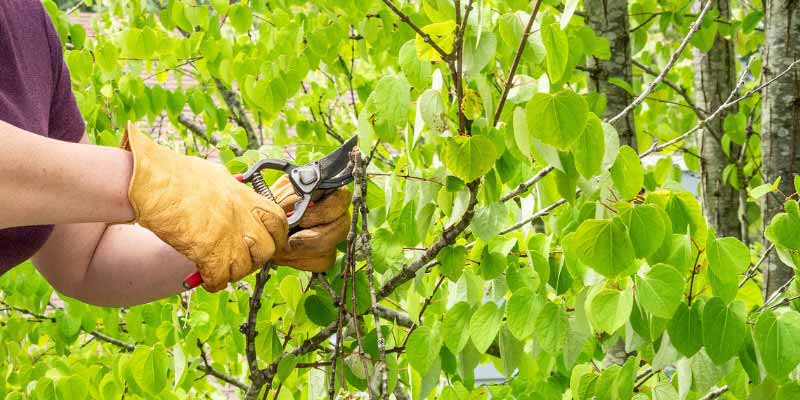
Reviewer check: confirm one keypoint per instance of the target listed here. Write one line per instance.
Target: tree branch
(200, 131)
(672, 60)
(390, 314)
(237, 111)
(448, 237)
(258, 377)
(727, 104)
(360, 204)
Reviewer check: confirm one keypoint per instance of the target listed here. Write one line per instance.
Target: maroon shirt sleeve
(66, 122)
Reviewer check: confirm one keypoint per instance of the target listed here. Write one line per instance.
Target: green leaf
(760, 191)
(432, 110)
(423, 348)
(286, 366)
(418, 72)
(521, 312)
(488, 221)
(723, 328)
(241, 17)
(442, 33)
(727, 259)
(777, 337)
(320, 310)
(455, 326)
(552, 325)
(149, 368)
(661, 290)
(685, 329)
(451, 261)
(471, 106)
(387, 105)
(72, 388)
(470, 157)
(645, 227)
(559, 119)
(797, 184)
(484, 325)
(783, 228)
(522, 136)
(589, 149)
(665, 391)
(557, 46)
(607, 308)
(627, 173)
(604, 245)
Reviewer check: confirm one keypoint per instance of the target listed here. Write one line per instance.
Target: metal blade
(334, 163)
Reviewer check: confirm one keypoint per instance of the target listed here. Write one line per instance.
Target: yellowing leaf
(442, 33)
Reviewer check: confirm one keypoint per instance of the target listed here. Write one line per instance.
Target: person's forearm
(46, 181)
(117, 266)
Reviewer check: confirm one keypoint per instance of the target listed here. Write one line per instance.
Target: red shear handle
(194, 279)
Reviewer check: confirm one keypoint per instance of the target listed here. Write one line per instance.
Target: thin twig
(776, 294)
(716, 393)
(694, 273)
(523, 187)
(425, 37)
(752, 271)
(258, 378)
(523, 42)
(728, 103)
(672, 60)
(541, 213)
(422, 310)
(209, 370)
(678, 89)
(349, 264)
(359, 172)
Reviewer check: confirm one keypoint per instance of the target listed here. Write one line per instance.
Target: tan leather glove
(326, 224)
(198, 208)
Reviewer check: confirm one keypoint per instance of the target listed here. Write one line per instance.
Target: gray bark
(780, 119)
(714, 79)
(609, 19)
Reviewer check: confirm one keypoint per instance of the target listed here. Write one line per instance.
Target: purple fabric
(35, 95)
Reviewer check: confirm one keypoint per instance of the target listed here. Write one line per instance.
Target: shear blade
(335, 165)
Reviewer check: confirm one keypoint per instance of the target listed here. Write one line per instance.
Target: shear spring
(261, 187)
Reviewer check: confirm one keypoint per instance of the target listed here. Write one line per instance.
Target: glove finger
(284, 194)
(328, 209)
(321, 263)
(250, 256)
(272, 236)
(215, 278)
(320, 238)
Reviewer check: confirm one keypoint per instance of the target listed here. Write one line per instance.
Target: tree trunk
(780, 119)
(609, 19)
(714, 79)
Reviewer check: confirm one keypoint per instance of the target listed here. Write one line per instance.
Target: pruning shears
(328, 173)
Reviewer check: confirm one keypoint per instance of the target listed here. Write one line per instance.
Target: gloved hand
(198, 208)
(313, 247)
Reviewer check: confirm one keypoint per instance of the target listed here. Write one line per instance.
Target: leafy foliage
(506, 229)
